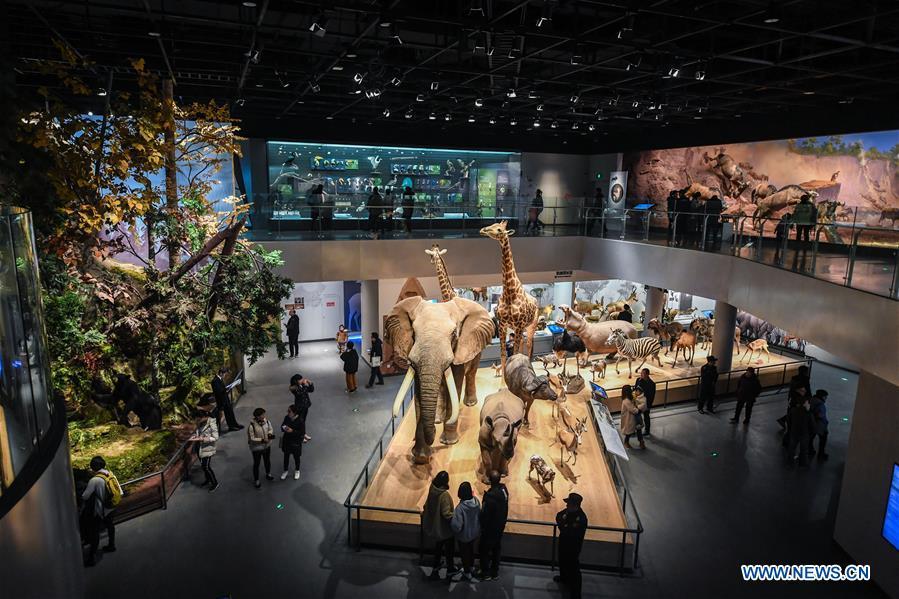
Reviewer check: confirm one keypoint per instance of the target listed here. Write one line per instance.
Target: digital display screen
(891, 519)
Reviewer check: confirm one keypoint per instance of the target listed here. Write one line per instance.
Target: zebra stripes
(632, 349)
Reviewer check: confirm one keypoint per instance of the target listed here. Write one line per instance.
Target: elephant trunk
(429, 390)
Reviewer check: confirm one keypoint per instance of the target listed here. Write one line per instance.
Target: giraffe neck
(511, 284)
(446, 288)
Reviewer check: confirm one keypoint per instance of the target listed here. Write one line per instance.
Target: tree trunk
(171, 173)
(227, 250)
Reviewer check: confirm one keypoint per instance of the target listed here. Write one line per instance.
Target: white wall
(873, 448)
(322, 309)
(563, 178)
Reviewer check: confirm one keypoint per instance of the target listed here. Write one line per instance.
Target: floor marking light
(845, 419)
(714, 454)
(280, 506)
(355, 409)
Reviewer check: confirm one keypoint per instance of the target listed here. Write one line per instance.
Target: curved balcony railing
(860, 257)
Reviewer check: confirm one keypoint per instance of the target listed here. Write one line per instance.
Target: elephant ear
(398, 326)
(474, 330)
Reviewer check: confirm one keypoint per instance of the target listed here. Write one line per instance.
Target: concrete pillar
(723, 339)
(655, 303)
(371, 317)
(867, 478)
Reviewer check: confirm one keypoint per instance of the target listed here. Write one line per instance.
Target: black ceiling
(596, 75)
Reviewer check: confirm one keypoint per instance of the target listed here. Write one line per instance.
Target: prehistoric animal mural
(851, 178)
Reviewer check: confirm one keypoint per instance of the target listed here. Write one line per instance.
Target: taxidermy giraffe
(516, 309)
(464, 374)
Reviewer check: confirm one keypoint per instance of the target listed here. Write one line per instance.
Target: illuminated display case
(447, 184)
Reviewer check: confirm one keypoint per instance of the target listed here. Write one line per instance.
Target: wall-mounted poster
(617, 190)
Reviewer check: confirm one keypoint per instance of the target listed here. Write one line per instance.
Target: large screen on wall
(891, 519)
(852, 177)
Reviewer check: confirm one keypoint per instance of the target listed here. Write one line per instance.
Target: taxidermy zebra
(633, 349)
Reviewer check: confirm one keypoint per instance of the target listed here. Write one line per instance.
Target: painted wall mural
(853, 178)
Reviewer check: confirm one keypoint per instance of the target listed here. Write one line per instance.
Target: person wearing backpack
(466, 525)
(101, 497)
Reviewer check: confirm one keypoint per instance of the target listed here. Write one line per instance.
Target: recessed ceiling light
(697, 118)
(154, 34)
(329, 118)
(772, 19)
(470, 118)
(337, 67)
(351, 55)
(513, 122)
(808, 93)
(249, 4)
(432, 117)
(536, 122)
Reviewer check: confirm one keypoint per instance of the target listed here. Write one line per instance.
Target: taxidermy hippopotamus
(525, 384)
(501, 417)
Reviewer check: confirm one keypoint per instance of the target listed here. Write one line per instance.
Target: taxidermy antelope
(598, 367)
(570, 439)
(684, 342)
(704, 330)
(756, 345)
(545, 474)
(665, 332)
(561, 395)
(497, 370)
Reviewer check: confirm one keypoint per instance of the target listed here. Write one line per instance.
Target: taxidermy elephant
(524, 383)
(501, 418)
(432, 338)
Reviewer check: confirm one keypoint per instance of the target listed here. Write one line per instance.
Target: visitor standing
(206, 435)
(350, 366)
(781, 235)
(101, 496)
(818, 408)
(294, 432)
(626, 315)
(683, 218)
(375, 208)
(631, 422)
(572, 523)
(301, 387)
(534, 223)
(466, 525)
(708, 376)
(748, 389)
(408, 203)
(375, 353)
(713, 209)
(494, 513)
(223, 400)
(671, 207)
(802, 424)
(436, 516)
(648, 387)
(800, 380)
(259, 436)
(293, 334)
(316, 203)
(341, 337)
(804, 218)
(594, 211)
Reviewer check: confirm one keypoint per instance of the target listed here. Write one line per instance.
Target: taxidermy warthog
(525, 384)
(501, 418)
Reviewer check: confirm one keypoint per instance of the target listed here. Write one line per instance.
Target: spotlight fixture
(395, 35)
(553, 125)
(658, 116)
(358, 77)
(513, 121)
(373, 93)
(492, 120)
(385, 21)
(432, 117)
(539, 107)
(337, 67)
(409, 114)
(315, 87)
(537, 123)
(101, 92)
(673, 72)
(546, 15)
(396, 81)
(240, 102)
(351, 55)
(470, 118)
(435, 85)
(318, 26)
(771, 16)
(577, 57)
(532, 95)
(613, 101)
(420, 98)
(808, 93)
(635, 104)
(356, 91)
(331, 118)
(448, 117)
(639, 115)
(511, 93)
(249, 4)
(574, 99)
(154, 34)
(476, 7)
(90, 113)
(699, 75)
(591, 127)
(386, 113)
(478, 102)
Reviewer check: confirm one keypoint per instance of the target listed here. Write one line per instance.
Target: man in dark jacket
(802, 424)
(350, 366)
(648, 387)
(671, 207)
(684, 220)
(626, 315)
(800, 379)
(748, 389)
(572, 523)
(708, 376)
(301, 387)
(713, 209)
(223, 401)
(494, 512)
(375, 353)
(293, 334)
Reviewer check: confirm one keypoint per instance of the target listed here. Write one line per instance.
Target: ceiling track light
(591, 127)
(396, 81)
(471, 118)
(240, 102)
(420, 98)
(435, 85)
(358, 77)
(673, 72)
(699, 75)
(432, 117)
(575, 126)
(511, 93)
(395, 35)
(492, 120)
(574, 98)
(532, 95)
(409, 114)
(386, 113)
(554, 125)
(318, 27)
(448, 117)
(517, 48)
(513, 121)
(315, 87)
(635, 104)
(546, 14)
(101, 92)
(537, 123)
(476, 7)
(613, 101)
(539, 107)
(478, 102)
(577, 57)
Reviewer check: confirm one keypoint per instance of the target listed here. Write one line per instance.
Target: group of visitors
(449, 527)
(805, 421)
(689, 216)
(381, 210)
(803, 219)
(350, 358)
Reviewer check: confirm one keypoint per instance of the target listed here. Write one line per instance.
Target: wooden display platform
(398, 483)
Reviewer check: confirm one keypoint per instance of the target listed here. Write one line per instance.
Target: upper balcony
(858, 257)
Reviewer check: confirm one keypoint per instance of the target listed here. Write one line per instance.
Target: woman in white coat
(207, 434)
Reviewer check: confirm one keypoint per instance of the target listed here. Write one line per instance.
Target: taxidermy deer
(684, 342)
(497, 370)
(545, 474)
(549, 360)
(756, 345)
(570, 439)
(598, 367)
(561, 395)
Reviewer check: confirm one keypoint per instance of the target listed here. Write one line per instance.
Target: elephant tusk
(454, 398)
(404, 388)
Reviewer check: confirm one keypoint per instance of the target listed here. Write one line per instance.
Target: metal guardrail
(361, 484)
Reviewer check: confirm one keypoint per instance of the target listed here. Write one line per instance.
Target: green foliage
(129, 452)
(834, 145)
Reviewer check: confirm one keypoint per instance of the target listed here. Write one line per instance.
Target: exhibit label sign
(617, 190)
(610, 437)
(564, 274)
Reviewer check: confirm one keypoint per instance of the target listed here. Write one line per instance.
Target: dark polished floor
(703, 515)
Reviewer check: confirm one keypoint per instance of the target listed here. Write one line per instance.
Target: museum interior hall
(474, 298)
